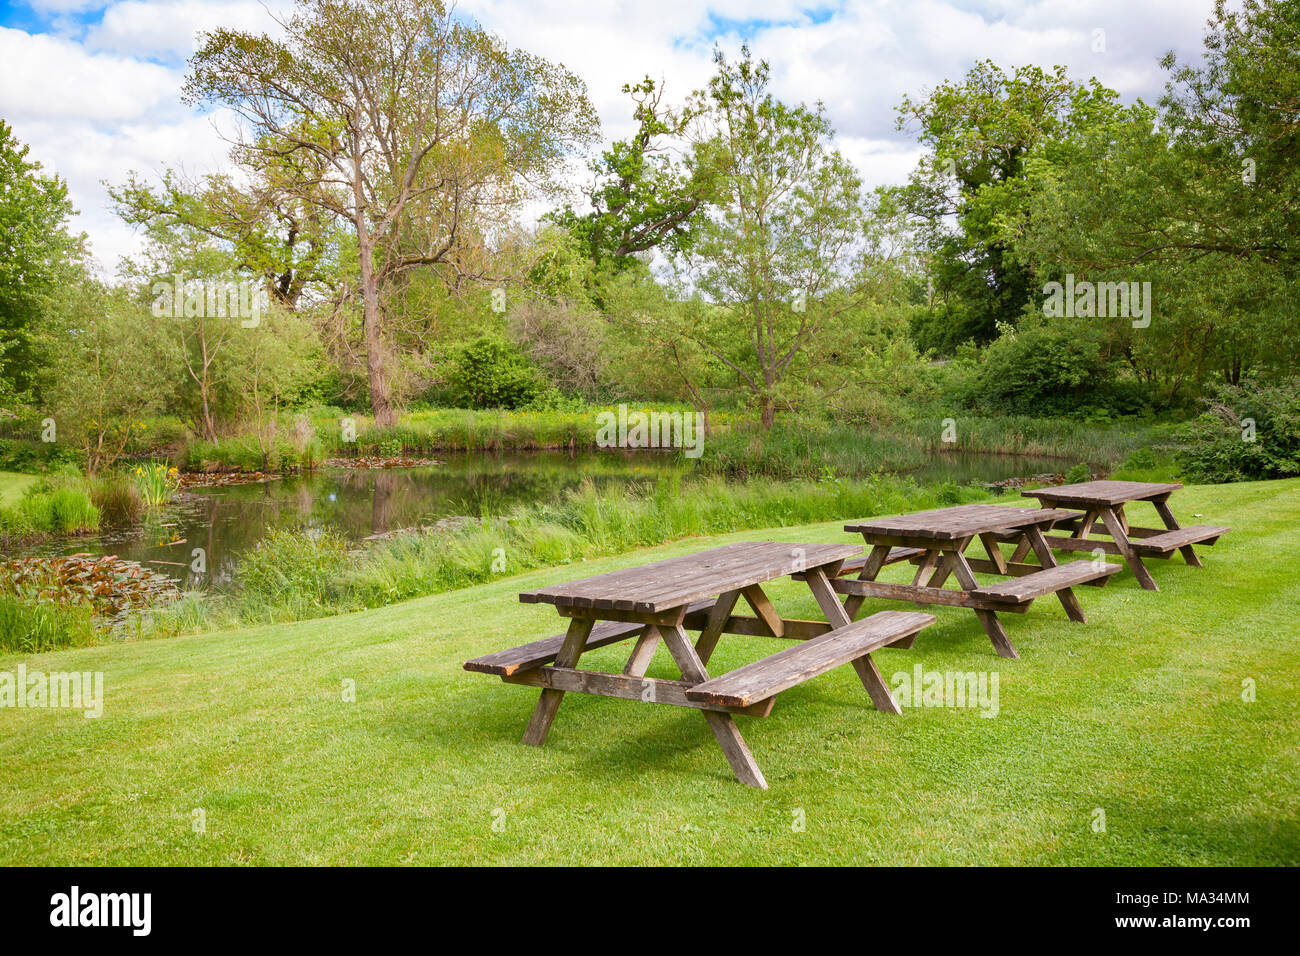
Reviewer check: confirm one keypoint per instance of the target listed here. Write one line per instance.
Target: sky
(94, 87)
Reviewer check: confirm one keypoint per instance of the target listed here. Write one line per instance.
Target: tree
(38, 258)
(642, 197)
(424, 133)
(774, 260)
(1199, 199)
(288, 243)
(969, 191)
(107, 370)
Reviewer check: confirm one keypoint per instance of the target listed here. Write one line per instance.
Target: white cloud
(100, 95)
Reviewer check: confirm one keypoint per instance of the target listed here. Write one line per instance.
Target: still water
(226, 521)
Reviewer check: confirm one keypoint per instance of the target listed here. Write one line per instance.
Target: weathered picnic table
(662, 601)
(1104, 501)
(936, 541)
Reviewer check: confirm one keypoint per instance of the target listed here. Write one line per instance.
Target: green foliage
(980, 135)
(1044, 370)
(1251, 431)
(35, 627)
(491, 373)
(294, 572)
(49, 509)
(38, 256)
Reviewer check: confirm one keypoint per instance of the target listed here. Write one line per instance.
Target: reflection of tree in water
(227, 521)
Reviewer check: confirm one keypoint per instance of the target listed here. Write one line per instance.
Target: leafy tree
(423, 131)
(969, 194)
(39, 258)
(107, 372)
(1201, 204)
(775, 259)
(643, 197)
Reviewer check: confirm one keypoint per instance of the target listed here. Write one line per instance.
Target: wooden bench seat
(538, 653)
(1173, 540)
(1022, 590)
(854, 565)
(763, 679)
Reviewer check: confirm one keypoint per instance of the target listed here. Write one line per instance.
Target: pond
(225, 521)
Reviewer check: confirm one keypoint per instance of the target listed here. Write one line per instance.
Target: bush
(1045, 370)
(1250, 431)
(491, 373)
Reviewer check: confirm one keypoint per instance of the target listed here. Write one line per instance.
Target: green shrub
(491, 373)
(1250, 431)
(1045, 370)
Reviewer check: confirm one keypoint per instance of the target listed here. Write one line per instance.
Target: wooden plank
(1179, 538)
(724, 728)
(950, 597)
(1131, 558)
(646, 689)
(762, 605)
(994, 552)
(746, 626)
(742, 762)
(643, 653)
(673, 582)
(715, 625)
(795, 665)
(1107, 493)
(526, 656)
(549, 703)
(1047, 581)
(949, 524)
(1073, 609)
(988, 620)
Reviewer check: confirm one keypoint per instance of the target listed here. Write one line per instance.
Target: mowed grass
(1138, 714)
(12, 486)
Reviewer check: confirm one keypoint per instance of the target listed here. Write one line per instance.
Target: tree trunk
(381, 403)
(769, 411)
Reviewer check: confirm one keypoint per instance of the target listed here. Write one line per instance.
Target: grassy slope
(1138, 712)
(12, 486)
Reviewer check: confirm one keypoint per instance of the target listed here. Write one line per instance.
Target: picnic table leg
(718, 616)
(1073, 610)
(544, 713)
(1116, 529)
(875, 561)
(723, 725)
(1187, 551)
(988, 619)
(838, 616)
(643, 653)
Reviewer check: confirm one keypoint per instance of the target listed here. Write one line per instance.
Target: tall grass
(49, 509)
(295, 575)
(31, 628)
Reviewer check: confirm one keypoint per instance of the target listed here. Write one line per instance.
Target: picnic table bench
(1103, 504)
(660, 602)
(936, 541)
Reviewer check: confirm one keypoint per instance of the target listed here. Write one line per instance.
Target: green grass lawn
(12, 486)
(1138, 713)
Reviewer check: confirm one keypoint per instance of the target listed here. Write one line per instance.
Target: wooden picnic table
(662, 601)
(1103, 502)
(936, 541)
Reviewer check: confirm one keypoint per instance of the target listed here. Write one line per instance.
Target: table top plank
(674, 582)
(1108, 493)
(959, 521)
